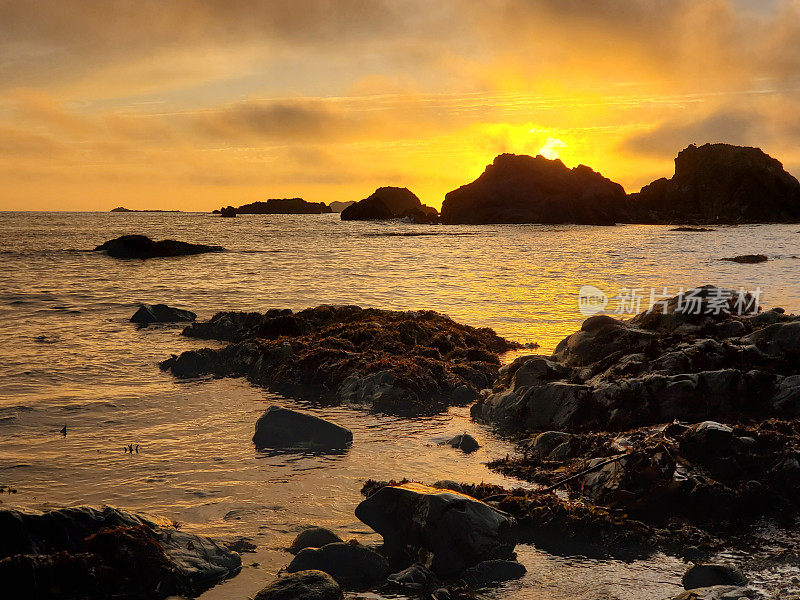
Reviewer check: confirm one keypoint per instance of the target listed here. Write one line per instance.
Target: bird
(130, 448)
(64, 430)
(137, 448)
(124, 449)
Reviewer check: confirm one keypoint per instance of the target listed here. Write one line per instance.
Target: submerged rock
(313, 537)
(721, 183)
(302, 585)
(692, 229)
(748, 259)
(284, 428)
(459, 530)
(93, 553)
(141, 246)
(161, 313)
(415, 362)
(707, 575)
(524, 189)
(348, 564)
(493, 571)
(389, 203)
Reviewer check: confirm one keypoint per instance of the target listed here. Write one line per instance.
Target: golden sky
(194, 104)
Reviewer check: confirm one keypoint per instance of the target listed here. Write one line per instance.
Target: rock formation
(282, 206)
(389, 203)
(338, 207)
(161, 313)
(142, 247)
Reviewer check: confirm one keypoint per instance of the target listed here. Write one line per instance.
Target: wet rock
(721, 183)
(415, 577)
(747, 259)
(544, 443)
(313, 537)
(302, 585)
(464, 442)
(524, 189)
(161, 313)
(284, 428)
(493, 571)
(97, 553)
(447, 484)
(710, 437)
(702, 576)
(415, 362)
(142, 247)
(459, 530)
(717, 592)
(348, 564)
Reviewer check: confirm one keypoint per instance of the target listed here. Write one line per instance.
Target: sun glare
(551, 148)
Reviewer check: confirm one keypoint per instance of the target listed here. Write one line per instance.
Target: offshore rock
(284, 428)
(142, 247)
(389, 203)
(161, 313)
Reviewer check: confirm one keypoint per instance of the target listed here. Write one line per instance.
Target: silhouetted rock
(122, 209)
(313, 537)
(348, 564)
(707, 575)
(721, 183)
(338, 207)
(92, 553)
(425, 215)
(283, 428)
(141, 246)
(410, 362)
(524, 189)
(748, 259)
(283, 206)
(227, 211)
(302, 585)
(493, 571)
(464, 442)
(389, 203)
(692, 229)
(459, 530)
(161, 313)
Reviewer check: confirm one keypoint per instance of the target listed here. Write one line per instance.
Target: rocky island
(390, 203)
(142, 247)
(277, 206)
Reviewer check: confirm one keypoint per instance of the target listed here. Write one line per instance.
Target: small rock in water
(161, 313)
(348, 564)
(302, 585)
(415, 577)
(492, 571)
(748, 259)
(283, 428)
(464, 442)
(313, 537)
(701, 576)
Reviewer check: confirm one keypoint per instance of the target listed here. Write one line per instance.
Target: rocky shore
(414, 362)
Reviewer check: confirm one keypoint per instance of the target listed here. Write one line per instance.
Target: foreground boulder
(721, 183)
(313, 537)
(524, 189)
(141, 246)
(389, 203)
(459, 530)
(349, 564)
(283, 428)
(302, 585)
(161, 313)
(410, 362)
(92, 553)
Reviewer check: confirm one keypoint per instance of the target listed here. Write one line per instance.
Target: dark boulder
(227, 211)
(747, 259)
(283, 428)
(721, 183)
(464, 442)
(93, 553)
(142, 247)
(524, 189)
(302, 585)
(692, 229)
(348, 564)
(313, 537)
(388, 203)
(701, 576)
(161, 313)
(459, 530)
(493, 571)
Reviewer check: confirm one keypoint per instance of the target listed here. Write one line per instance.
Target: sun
(551, 148)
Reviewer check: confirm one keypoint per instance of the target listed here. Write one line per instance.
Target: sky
(196, 104)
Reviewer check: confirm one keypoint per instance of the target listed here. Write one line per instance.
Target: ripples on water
(71, 357)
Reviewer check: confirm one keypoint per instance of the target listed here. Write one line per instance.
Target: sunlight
(551, 148)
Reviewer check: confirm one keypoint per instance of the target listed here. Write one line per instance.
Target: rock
(721, 183)
(283, 206)
(284, 428)
(425, 215)
(93, 553)
(493, 571)
(459, 530)
(161, 313)
(464, 442)
(227, 211)
(388, 203)
(338, 207)
(415, 577)
(523, 189)
(141, 246)
(691, 229)
(748, 259)
(546, 442)
(348, 564)
(708, 437)
(702, 576)
(313, 537)
(717, 592)
(302, 585)
(447, 484)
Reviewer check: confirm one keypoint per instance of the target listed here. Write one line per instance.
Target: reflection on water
(70, 357)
